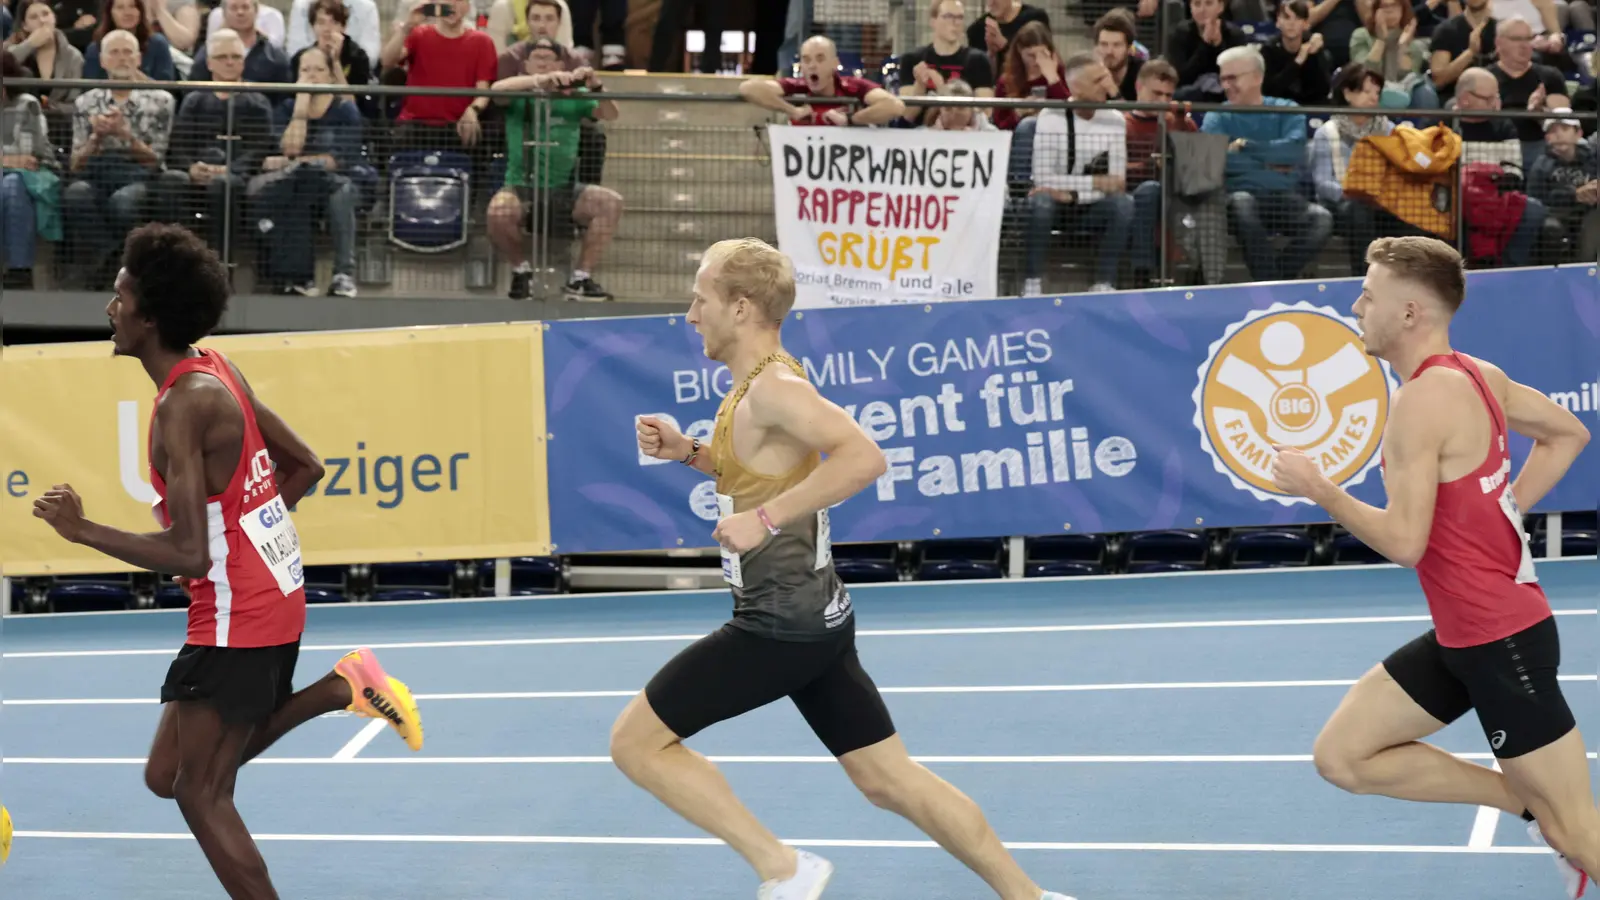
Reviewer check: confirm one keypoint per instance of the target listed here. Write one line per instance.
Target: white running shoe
(1049, 895)
(1577, 881)
(811, 876)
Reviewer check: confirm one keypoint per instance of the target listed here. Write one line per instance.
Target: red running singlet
(1477, 572)
(254, 595)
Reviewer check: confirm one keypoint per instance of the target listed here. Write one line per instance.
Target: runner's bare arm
(180, 549)
(791, 406)
(298, 468)
(1558, 436)
(1412, 444)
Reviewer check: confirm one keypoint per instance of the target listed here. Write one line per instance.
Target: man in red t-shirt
(819, 77)
(440, 52)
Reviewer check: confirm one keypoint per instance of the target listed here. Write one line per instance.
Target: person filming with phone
(439, 50)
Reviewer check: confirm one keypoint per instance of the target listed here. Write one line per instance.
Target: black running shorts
(730, 672)
(244, 684)
(1511, 683)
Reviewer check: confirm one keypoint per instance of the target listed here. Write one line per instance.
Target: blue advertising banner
(1109, 412)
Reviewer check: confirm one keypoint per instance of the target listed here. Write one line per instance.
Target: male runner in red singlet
(793, 630)
(1454, 514)
(226, 470)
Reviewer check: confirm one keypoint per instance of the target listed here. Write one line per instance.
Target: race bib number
(732, 571)
(1508, 505)
(271, 533)
(824, 540)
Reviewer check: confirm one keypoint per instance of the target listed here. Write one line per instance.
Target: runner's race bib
(1508, 505)
(271, 533)
(732, 571)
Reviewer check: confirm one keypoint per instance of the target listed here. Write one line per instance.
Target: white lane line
(1059, 846)
(1184, 759)
(869, 632)
(1485, 824)
(355, 745)
(913, 689)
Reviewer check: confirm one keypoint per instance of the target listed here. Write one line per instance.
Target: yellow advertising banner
(433, 440)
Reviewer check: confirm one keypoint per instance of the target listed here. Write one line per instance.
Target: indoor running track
(1132, 738)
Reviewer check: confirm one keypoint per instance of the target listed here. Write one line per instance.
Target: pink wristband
(761, 513)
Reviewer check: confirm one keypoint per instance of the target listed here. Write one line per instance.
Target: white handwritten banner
(875, 216)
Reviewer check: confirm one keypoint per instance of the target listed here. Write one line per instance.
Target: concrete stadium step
(699, 229)
(672, 292)
(624, 170)
(698, 199)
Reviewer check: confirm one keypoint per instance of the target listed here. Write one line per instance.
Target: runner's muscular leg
(161, 768)
(889, 778)
(209, 755)
(1372, 745)
(330, 693)
(1555, 782)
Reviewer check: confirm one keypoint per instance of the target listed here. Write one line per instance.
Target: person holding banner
(792, 633)
(1454, 514)
(226, 471)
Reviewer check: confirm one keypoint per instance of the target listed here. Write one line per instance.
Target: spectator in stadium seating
(1357, 221)
(1083, 165)
(551, 193)
(511, 21)
(215, 150)
(1566, 180)
(999, 26)
(1388, 44)
(1492, 209)
(1158, 83)
(264, 20)
(119, 141)
(1297, 65)
(951, 118)
(439, 54)
(45, 53)
(1462, 42)
(1194, 47)
(264, 61)
(30, 190)
(1525, 84)
(179, 21)
(819, 77)
(357, 21)
(543, 21)
(328, 19)
(318, 143)
(1034, 69)
(1114, 36)
(1433, 13)
(1336, 21)
(79, 19)
(129, 16)
(613, 19)
(926, 69)
(1266, 154)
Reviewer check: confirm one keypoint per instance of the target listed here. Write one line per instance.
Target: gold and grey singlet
(786, 588)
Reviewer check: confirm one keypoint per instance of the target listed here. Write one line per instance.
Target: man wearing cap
(1565, 180)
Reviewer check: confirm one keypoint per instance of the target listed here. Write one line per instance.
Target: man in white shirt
(1080, 161)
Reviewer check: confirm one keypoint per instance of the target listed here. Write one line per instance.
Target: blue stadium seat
(409, 594)
(433, 575)
(866, 563)
(1269, 548)
(323, 595)
(533, 575)
(1348, 550)
(89, 596)
(1148, 568)
(170, 596)
(960, 559)
(1063, 569)
(1187, 548)
(430, 196)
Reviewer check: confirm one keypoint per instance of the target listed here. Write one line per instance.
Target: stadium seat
(866, 563)
(1578, 535)
(408, 594)
(1348, 550)
(1148, 568)
(1187, 548)
(960, 559)
(1062, 569)
(434, 575)
(1268, 548)
(430, 198)
(89, 596)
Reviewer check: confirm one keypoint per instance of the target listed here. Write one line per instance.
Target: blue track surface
(1126, 751)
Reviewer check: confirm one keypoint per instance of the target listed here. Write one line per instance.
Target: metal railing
(541, 195)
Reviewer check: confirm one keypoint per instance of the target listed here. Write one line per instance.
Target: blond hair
(755, 270)
(1425, 261)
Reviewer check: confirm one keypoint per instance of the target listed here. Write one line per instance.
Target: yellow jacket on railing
(1410, 174)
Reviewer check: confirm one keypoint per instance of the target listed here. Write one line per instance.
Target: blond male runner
(1454, 514)
(793, 631)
